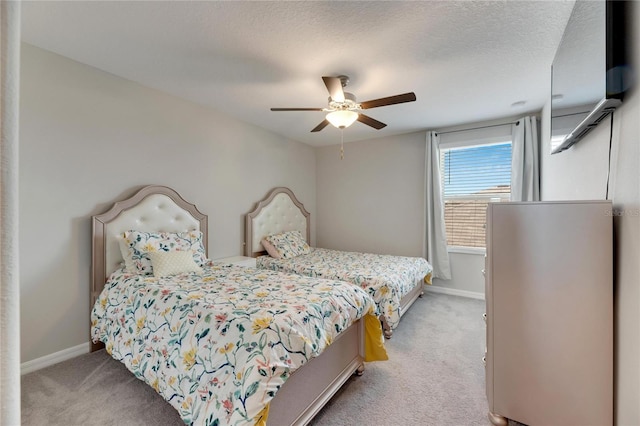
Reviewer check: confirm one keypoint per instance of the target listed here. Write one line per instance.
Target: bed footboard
(405, 304)
(311, 387)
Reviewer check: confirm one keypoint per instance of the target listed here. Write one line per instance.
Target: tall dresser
(549, 301)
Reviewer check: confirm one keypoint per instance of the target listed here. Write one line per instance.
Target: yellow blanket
(374, 349)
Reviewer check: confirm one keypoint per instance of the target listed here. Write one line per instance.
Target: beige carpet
(434, 377)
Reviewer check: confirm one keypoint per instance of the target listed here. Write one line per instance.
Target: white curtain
(9, 275)
(525, 160)
(435, 234)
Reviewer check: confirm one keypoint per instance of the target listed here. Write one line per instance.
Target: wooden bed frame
(281, 211)
(161, 209)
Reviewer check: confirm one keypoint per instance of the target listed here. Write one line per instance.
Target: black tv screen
(589, 74)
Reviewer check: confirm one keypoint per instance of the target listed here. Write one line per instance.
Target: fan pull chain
(341, 144)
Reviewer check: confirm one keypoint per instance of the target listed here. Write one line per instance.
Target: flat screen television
(589, 74)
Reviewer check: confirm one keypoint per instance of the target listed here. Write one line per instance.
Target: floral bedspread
(218, 346)
(385, 278)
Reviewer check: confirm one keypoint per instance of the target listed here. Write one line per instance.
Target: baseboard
(54, 358)
(454, 292)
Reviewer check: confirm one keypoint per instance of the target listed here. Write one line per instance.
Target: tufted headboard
(154, 208)
(280, 211)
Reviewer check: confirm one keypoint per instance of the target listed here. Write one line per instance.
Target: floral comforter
(385, 278)
(218, 346)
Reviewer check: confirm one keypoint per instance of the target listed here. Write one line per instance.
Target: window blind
(472, 177)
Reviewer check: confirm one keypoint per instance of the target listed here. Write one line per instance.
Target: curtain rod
(477, 128)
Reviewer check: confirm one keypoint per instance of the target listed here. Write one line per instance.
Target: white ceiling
(466, 61)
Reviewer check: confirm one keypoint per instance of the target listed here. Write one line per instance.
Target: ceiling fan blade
(334, 86)
(320, 126)
(296, 109)
(370, 121)
(391, 100)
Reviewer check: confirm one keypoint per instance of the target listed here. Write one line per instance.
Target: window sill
(467, 250)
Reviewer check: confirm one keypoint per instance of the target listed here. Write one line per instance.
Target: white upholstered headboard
(280, 211)
(154, 208)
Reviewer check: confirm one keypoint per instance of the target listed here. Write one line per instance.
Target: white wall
(580, 172)
(87, 139)
(373, 200)
(577, 174)
(466, 275)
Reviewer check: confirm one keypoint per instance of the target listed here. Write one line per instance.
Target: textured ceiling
(466, 61)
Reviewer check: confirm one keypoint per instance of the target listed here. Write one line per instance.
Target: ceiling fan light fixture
(342, 118)
(343, 109)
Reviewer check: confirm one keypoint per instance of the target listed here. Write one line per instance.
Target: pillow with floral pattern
(289, 244)
(273, 252)
(136, 245)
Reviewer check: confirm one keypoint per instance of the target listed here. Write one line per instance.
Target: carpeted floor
(434, 377)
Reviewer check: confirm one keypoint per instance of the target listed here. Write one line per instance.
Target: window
(473, 176)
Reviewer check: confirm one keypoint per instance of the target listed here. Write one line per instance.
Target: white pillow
(167, 263)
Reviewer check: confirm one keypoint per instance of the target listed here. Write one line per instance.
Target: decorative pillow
(166, 263)
(138, 244)
(289, 244)
(126, 254)
(270, 249)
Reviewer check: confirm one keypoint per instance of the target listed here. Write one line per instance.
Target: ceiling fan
(343, 109)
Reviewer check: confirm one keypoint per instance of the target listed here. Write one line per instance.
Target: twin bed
(226, 344)
(394, 282)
